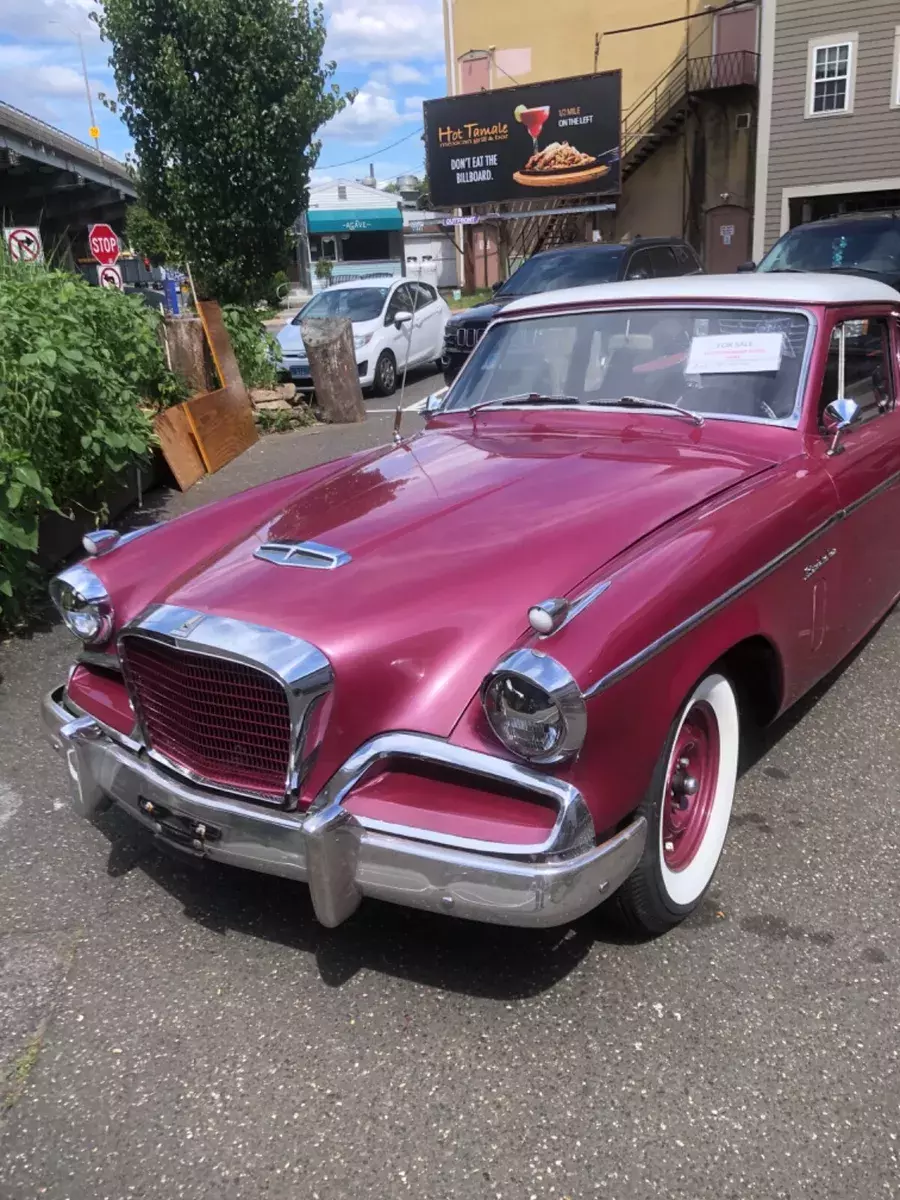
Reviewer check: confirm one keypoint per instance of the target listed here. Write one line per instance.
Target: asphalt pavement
(193, 1033)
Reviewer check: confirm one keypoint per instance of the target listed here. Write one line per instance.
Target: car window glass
(399, 302)
(423, 294)
(662, 260)
(640, 266)
(563, 269)
(682, 356)
(359, 304)
(687, 260)
(867, 371)
(865, 245)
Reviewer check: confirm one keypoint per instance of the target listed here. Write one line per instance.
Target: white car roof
(772, 287)
(374, 281)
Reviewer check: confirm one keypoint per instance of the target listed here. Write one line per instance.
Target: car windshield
(563, 269)
(870, 246)
(727, 362)
(359, 304)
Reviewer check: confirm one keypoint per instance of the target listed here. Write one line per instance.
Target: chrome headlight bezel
(541, 673)
(82, 601)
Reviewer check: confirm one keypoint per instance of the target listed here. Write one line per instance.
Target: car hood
(481, 314)
(452, 536)
(289, 337)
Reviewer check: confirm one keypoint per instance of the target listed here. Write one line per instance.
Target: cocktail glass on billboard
(533, 119)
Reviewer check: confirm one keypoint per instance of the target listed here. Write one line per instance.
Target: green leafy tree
(223, 99)
(151, 237)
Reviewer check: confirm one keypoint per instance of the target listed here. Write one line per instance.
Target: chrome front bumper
(330, 849)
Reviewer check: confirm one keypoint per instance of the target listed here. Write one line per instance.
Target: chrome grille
(222, 721)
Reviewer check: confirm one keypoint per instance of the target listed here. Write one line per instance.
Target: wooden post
(332, 363)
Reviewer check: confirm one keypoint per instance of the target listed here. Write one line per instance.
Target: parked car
(565, 267)
(503, 670)
(396, 323)
(855, 243)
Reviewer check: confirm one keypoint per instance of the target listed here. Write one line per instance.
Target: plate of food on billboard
(555, 138)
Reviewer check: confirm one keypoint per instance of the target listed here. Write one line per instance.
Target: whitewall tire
(688, 810)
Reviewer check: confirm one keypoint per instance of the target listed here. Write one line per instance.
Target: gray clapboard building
(829, 112)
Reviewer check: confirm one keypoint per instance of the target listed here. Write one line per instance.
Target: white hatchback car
(396, 323)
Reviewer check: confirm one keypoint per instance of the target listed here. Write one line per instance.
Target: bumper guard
(333, 851)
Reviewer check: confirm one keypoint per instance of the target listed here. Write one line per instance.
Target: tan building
(688, 101)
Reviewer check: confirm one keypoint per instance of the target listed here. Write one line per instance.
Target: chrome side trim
(312, 555)
(585, 600)
(573, 829)
(673, 635)
(298, 666)
(708, 610)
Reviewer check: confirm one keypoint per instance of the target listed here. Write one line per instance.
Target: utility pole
(94, 131)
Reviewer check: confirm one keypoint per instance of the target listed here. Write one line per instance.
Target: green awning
(353, 220)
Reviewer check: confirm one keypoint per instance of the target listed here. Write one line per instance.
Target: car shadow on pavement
(487, 961)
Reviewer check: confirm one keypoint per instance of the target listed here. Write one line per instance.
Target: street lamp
(94, 132)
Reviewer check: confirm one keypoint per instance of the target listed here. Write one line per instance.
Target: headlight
(361, 339)
(535, 707)
(83, 604)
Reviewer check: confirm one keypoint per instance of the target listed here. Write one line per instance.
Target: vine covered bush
(255, 349)
(77, 363)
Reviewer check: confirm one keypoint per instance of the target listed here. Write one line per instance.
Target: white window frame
(895, 78)
(822, 43)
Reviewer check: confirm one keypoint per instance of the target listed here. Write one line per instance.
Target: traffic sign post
(110, 277)
(103, 245)
(23, 243)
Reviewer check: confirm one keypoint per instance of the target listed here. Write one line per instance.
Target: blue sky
(392, 51)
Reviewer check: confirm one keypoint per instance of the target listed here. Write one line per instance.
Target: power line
(371, 153)
(707, 12)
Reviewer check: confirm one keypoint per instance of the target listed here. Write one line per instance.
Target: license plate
(300, 373)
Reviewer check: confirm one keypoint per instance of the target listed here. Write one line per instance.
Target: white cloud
(413, 105)
(48, 20)
(401, 73)
(394, 31)
(369, 117)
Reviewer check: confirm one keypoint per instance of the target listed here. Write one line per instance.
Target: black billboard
(559, 138)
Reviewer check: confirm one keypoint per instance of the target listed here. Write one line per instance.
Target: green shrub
(254, 347)
(76, 363)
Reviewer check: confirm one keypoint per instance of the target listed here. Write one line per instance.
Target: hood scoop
(312, 555)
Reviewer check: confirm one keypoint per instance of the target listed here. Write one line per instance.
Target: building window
(342, 192)
(831, 75)
(895, 82)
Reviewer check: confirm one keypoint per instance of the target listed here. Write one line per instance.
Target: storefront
(358, 229)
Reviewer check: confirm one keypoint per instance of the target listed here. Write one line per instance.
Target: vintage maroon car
(500, 669)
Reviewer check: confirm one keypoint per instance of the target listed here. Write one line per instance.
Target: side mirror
(839, 415)
(747, 267)
(434, 402)
(496, 285)
(402, 318)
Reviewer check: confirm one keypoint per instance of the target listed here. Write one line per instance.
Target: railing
(686, 77)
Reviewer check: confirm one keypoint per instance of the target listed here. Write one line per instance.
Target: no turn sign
(103, 244)
(110, 277)
(24, 243)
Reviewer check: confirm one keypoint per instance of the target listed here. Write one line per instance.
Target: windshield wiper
(643, 402)
(525, 398)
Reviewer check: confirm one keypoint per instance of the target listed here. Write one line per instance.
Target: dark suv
(855, 243)
(566, 267)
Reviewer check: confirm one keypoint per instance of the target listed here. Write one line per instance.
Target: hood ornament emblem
(312, 555)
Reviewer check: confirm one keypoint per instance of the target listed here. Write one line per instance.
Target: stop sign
(103, 244)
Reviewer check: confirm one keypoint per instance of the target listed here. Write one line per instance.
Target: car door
(866, 469)
(398, 337)
(428, 333)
